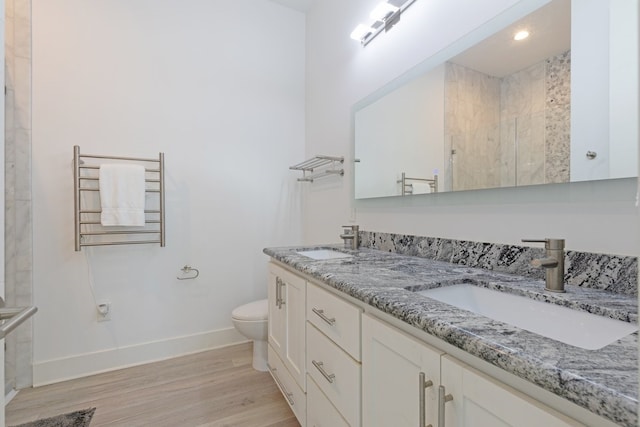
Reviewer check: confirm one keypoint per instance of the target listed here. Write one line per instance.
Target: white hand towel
(122, 194)
(421, 188)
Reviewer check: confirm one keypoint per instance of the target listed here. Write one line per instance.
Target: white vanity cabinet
(287, 336)
(333, 359)
(339, 364)
(478, 400)
(394, 392)
(392, 364)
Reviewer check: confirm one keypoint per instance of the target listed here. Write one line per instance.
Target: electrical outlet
(103, 311)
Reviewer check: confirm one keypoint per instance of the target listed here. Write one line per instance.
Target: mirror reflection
(541, 108)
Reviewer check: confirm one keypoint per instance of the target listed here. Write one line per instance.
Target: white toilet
(251, 321)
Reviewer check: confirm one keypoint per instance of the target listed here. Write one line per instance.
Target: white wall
(599, 217)
(396, 134)
(218, 86)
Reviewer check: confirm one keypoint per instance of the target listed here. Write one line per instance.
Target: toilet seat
(257, 310)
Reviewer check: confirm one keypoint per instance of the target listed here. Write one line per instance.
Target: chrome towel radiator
(88, 230)
(406, 187)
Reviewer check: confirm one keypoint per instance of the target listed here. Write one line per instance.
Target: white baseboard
(8, 397)
(82, 365)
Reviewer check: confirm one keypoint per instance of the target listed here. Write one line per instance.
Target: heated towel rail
(88, 230)
(407, 185)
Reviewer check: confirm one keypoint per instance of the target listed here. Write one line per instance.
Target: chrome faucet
(351, 233)
(553, 263)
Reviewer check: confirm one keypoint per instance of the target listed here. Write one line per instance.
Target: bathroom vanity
(353, 341)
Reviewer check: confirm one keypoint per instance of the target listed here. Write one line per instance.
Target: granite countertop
(604, 381)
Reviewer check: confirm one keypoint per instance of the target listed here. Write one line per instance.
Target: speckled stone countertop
(604, 381)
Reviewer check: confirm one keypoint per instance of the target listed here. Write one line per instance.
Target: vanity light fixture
(384, 16)
(521, 35)
(383, 11)
(361, 32)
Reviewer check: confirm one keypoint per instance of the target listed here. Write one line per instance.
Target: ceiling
(499, 55)
(300, 5)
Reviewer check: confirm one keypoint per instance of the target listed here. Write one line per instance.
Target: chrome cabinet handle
(288, 395)
(320, 313)
(320, 367)
(442, 399)
(279, 285)
(423, 384)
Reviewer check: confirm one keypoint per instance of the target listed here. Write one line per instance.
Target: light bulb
(521, 35)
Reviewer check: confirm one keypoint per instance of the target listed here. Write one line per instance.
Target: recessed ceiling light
(521, 35)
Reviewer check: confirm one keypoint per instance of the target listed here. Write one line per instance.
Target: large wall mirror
(559, 105)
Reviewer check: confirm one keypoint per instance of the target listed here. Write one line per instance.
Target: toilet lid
(257, 310)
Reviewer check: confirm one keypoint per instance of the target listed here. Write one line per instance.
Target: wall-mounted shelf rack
(329, 165)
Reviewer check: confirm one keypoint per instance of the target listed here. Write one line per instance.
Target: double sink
(577, 328)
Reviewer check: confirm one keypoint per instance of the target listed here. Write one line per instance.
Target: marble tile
(24, 372)
(22, 82)
(558, 118)
(9, 9)
(18, 223)
(23, 164)
(9, 39)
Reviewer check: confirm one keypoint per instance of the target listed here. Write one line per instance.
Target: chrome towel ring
(187, 269)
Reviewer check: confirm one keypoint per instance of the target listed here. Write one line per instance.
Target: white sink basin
(323, 254)
(577, 328)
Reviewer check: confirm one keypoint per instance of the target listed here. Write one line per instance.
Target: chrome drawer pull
(319, 366)
(279, 286)
(423, 384)
(278, 291)
(288, 395)
(442, 399)
(320, 313)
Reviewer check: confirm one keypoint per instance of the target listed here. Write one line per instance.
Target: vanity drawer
(335, 373)
(293, 394)
(320, 412)
(336, 318)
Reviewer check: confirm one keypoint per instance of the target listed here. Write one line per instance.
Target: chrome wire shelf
(328, 165)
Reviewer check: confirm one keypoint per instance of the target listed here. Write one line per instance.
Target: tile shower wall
(511, 130)
(613, 273)
(558, 117)
(472, 127)
(18, 220)
(522, 127)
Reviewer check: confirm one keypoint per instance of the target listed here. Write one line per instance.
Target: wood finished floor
(216, 388)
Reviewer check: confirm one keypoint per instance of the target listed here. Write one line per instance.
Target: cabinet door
(391, 365)
(277, 331)
(480, 401)
(294, 305)
(320, 411)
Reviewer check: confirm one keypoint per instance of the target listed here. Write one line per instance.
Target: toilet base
(260, 356)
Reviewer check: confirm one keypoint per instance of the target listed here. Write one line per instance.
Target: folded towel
(421, 188)
(122, 194)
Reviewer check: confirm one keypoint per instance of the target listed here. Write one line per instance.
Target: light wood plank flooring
(216, 388)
